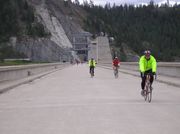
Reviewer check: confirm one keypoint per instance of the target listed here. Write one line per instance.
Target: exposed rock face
(69, 17)
(61, 28)
(53, 25)
(43, 50)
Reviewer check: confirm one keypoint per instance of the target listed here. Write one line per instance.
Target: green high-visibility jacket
(92, 63)
(145, 65)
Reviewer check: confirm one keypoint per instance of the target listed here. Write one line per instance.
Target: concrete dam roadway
(68, 101)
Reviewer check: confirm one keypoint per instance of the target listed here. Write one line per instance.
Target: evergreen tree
(143, 27)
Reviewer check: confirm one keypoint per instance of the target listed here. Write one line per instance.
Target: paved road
(70, 102)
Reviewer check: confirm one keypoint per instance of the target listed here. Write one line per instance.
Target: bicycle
(147, 93)
(92, 72)
(116, 71)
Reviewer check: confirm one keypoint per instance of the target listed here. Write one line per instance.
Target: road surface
(70, 102)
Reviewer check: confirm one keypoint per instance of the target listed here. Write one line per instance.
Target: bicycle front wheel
(116, 73)
(92, 74)
(150, 94)
(146, 93)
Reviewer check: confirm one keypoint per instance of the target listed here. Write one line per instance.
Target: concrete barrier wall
(163, 68)
(18, 72)
(167, 69)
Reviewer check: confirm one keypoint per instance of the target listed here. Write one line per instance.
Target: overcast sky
(119, 2)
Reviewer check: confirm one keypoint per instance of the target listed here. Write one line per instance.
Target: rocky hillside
(46, 35)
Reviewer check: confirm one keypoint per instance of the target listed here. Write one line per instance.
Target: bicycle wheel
(145, 93)
(92, 74)
(116, 73)
(149, 94)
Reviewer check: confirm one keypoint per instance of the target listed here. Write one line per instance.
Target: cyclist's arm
(154, 65)
(119, 63)
(89, 63)
(141, 65)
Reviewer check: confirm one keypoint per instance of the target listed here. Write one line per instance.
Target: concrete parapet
(10, 73)
(163, 68)
(171, 69)
(168, 73)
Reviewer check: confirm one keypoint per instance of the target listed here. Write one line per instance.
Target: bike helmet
(147, 52)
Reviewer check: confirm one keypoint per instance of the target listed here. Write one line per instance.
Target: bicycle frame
(148, 88)
(115, 71)
(92, 72)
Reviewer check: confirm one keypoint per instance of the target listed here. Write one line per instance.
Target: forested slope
(144, 27)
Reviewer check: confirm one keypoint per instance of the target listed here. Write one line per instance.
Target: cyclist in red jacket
(116, 62)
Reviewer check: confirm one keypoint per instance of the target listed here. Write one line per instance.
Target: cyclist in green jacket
(92, 65)
(147, 64)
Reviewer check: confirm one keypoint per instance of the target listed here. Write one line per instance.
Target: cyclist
(147, 64)
(116, 63)
(92, 65)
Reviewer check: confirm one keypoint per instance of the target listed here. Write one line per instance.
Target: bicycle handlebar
(154, 75)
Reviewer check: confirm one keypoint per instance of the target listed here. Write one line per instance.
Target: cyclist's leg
(142, 84)
(143, 81)
(93, 70)
(90, 68)
(117, 67)
(115, 71)
(151, 79)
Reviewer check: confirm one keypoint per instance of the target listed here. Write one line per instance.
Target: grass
(15, 62)
(18, 62)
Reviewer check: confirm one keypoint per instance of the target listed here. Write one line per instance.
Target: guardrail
(9, 73)
(171, 69)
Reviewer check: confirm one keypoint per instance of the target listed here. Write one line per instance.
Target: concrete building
(81, 43)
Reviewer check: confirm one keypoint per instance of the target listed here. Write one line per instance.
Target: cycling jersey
(147, 64)
(92, 63)
(116, 62)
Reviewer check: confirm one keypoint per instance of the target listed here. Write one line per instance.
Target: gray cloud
(118, 2)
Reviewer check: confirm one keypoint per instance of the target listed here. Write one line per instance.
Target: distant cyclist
(92, 65)
(147, 64)
(116, 63)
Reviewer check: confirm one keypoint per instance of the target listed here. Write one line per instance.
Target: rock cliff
(60, 22)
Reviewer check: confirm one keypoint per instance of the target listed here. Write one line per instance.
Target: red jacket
(116, 62)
